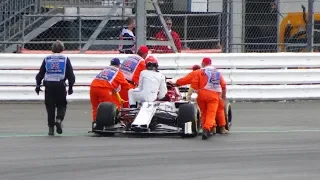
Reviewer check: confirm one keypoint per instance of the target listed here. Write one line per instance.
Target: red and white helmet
(151, 59)
(151, 62)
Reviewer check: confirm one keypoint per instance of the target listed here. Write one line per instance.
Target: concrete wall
(199, 5)
(179, 5)
(286, 6)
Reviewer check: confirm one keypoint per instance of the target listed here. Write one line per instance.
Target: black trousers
(55, 97)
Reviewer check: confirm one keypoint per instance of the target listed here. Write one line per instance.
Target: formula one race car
(168, 116)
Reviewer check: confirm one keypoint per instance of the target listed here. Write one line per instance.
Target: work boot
(59, 126)
(213, 131)
(223, 130)
(205, 134)
(51, 131)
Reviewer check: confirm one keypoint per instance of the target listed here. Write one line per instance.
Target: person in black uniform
(54, 71)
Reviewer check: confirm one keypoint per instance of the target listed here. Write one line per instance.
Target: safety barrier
(232, 77)
(252, 76)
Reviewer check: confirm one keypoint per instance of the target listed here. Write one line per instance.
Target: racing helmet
(151, 63)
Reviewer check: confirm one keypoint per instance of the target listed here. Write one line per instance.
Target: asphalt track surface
(268, 141)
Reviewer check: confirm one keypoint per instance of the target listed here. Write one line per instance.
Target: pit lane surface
(268, 141)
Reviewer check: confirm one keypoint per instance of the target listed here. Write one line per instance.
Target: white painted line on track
(44, 134)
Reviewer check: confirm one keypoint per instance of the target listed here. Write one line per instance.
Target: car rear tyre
(106, 116)
(189, 113)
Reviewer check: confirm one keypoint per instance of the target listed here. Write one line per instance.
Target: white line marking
(231, 132)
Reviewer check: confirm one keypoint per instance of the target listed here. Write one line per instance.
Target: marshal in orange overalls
(209, 84)
(220, 115)
(105, 86)
(131, 68)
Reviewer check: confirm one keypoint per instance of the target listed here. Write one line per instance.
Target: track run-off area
(268, 141)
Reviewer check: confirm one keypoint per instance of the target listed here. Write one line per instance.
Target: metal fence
(233, 25)
(278, 26)
(189, 30)
(75, 31)
(83, 3)
(259, 26)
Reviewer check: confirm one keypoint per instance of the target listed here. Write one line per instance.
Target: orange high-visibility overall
(131, 69)
(186, 79)
(207, 82)
(105, 86)
(220, 115)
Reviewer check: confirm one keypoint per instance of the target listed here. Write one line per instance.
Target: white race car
(169, 116)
